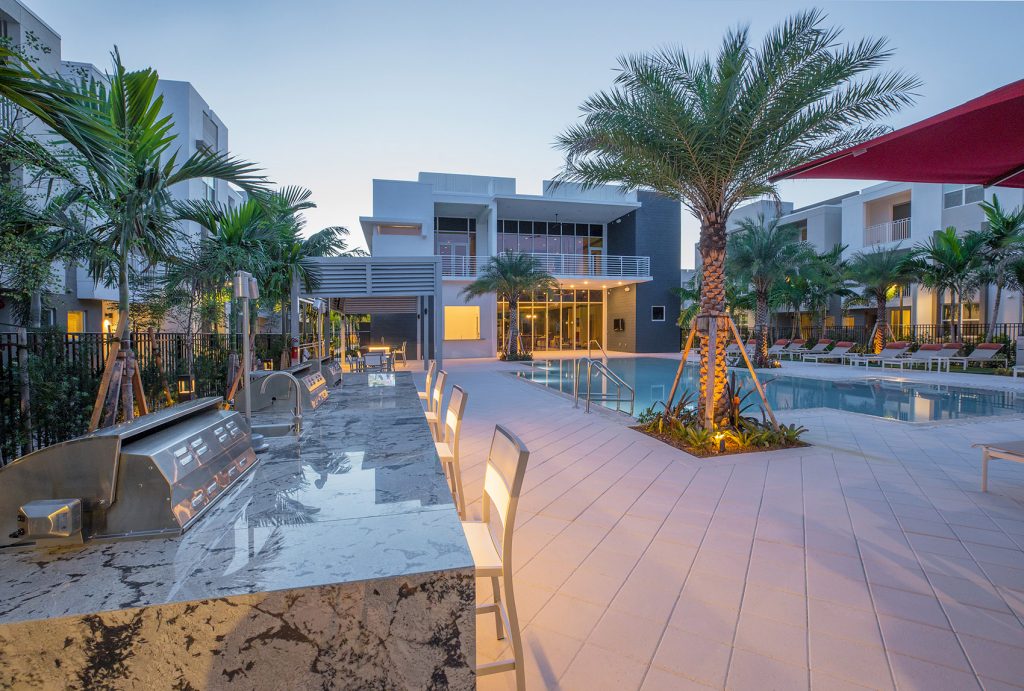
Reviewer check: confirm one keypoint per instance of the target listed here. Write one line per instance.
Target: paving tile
(924, 609)
(995, 660)
(713, 588)
(569, 616)
(912, 674)
(752, 671)
(626, 634)
(663, 680)
(591, 586)
(594, 668)
(929, 643)
(852, 662)
(971, 591)
(691, 655)
(844, 622)
(772, 638)
(712, 620)
(775, 604)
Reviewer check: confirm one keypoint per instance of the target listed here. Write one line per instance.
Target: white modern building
(615, 256)
(78, 303)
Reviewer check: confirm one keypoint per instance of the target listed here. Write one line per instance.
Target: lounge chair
(925, 355)
(1018, 369)
(778, 346)
(982, 353)
(819, 348)
(795, 346)
(1010, 451)
(891, 351)
(837, 354)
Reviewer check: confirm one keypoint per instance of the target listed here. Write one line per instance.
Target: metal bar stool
(491, 545)
(448, 447)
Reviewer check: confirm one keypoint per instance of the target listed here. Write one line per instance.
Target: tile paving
(867, 560)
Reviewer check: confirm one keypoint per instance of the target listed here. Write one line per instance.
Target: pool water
(652, 378)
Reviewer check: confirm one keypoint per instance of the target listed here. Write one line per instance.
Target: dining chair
(448, 447)
(375, 362)
(490, 543)
(400, 353)
(425, 395)
(436, 396)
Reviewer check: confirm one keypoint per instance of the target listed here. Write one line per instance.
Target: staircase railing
(602, 397)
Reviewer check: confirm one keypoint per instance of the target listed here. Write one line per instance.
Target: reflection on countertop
(359, 495)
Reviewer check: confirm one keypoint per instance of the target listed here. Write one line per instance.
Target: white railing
(613, 266)
(890, 231)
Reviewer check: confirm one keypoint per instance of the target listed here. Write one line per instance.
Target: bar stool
(448, 447)
(425, 395)
(434, 408)
(491, 546)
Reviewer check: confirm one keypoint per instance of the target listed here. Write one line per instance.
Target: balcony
(561, 265)
(890, 231)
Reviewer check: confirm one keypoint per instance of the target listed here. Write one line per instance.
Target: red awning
(980, 142)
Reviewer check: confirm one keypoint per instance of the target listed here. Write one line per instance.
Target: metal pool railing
(602, 397)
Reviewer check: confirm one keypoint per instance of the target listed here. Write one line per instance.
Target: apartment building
(614, 255)
(896, 215)
(78, 303)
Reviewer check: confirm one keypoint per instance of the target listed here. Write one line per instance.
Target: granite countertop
(360, 495)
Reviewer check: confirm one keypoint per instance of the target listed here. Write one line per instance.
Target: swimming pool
(652, 378)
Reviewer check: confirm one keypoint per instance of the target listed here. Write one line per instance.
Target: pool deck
(869, 559)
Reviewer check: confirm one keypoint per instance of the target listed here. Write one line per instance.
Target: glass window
(462, 323)
(76, 322)
(974, 193)
(657, 313)
(958, 195)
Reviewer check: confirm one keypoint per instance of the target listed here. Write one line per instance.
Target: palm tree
(512, 276)
(792, 294)
(949, 261)
(826, 278)
(709, 131)
(765, 255)
(1004, 245)
(878, 273)
(737, 297)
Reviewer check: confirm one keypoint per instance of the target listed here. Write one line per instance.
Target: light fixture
(720, 438)
(186, 385)
(268, 364)
(626, 289)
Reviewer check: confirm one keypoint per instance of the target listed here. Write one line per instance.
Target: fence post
(25, 401)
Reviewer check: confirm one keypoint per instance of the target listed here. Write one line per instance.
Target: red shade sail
(980, 142)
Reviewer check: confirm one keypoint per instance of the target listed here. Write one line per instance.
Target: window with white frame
(959, 195)
(658, 313)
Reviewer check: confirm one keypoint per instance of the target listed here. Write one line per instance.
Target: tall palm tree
(826, 278)
(879, 272)
(710, 130)
(764, 254)
(512, 276)
(1004, 245)
(737, 297)
(950, 261)
(791, 294)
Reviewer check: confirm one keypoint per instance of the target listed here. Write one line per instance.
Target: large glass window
(462, 323)
(958, 195)
(556, 320)
(455, 243)
(76, 322)
(547, 237)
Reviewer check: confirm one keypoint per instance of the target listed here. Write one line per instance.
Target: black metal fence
(49, 379)
(971, 334)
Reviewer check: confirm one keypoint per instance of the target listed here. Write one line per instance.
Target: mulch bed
(700, 453)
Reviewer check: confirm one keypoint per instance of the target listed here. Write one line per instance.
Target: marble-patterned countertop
(360, 495)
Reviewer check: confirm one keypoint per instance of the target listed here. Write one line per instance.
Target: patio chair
(795, 346)
(400, 353)
(778, 346)
(448, 447)
(431, 371)
(1017, 369)
(925, 355)
(891, 351)
(983, 353)
(376, 362)
(820, 347)
(491, 545)
(1010, 451)
(434, 414)
(838, 353)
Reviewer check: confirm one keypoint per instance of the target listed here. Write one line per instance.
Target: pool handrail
(615, 379)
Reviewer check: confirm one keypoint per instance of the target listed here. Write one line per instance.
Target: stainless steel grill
(332, 372)
(276, 394)
(153, 476)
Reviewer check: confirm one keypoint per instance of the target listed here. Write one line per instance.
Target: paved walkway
(869, 559)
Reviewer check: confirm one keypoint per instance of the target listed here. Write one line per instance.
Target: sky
(331, 95)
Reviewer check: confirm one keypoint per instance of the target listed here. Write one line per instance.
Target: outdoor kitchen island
(338, 562)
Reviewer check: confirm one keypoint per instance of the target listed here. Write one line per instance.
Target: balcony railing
(598, 265)
(890, 231)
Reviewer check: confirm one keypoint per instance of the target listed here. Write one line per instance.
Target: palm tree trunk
(713, 369)
(881, 318)
(960, 313)
(35, 309)
(761, 329)
(799, 322)
(512, 344)
(989, 332)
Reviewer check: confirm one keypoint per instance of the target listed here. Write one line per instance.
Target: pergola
(393, 285)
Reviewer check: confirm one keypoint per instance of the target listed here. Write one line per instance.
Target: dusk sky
(330, 95)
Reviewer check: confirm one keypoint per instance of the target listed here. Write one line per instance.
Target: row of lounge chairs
(894, 354)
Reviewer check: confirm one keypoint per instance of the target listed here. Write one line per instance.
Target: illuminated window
(462, 323)
(848, 322)
(76, 322)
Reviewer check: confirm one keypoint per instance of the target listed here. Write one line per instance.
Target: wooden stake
(139, 392)
(753, 374)
(158, 360)
(679, 370)
(109, 409)
(99, 406)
